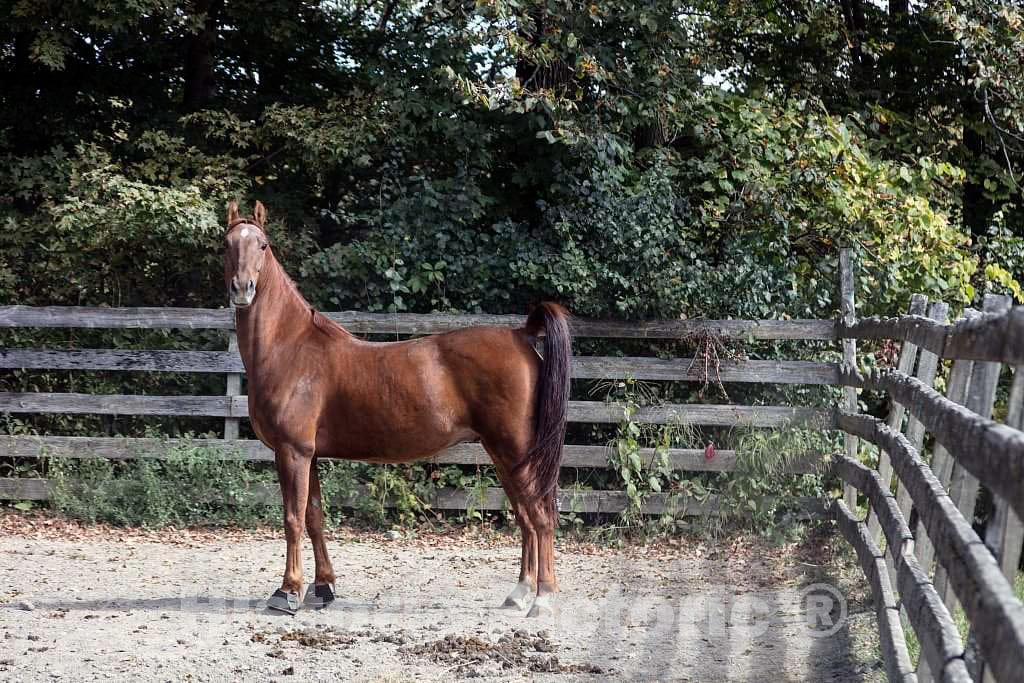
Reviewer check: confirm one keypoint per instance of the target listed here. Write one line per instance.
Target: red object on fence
(709, 451)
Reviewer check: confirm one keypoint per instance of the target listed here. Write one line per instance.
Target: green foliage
(202, 485)
(637, 477)
(631, 160)
(761, 488)
(194, 485)
(800, 182)
(388, 485)
(754, 496)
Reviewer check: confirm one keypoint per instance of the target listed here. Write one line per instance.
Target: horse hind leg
(543, 514)
(321, 592)
(537, 515)
(519, 598)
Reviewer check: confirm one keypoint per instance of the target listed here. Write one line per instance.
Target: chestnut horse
(316, 391)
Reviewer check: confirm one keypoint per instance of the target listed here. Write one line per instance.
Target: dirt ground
(85, 603)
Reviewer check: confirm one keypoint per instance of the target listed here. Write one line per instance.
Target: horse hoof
(517, 599)
(284, 602)
(543, 607)
(514, 603)
(319, 596)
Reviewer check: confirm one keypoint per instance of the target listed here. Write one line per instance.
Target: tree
(200, 72)
(457, 155)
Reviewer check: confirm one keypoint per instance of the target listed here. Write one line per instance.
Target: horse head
(245, 251)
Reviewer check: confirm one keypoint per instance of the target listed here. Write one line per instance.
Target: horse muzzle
(242, 297)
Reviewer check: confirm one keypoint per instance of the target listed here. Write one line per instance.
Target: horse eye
(263, 247)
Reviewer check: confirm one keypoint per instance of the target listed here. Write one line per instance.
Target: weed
(710, 350)
(193, 484)
(763, 483)
(761, 487)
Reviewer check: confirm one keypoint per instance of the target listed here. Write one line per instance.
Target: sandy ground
(185, 607)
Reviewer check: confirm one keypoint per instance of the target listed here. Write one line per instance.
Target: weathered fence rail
(492, 498)
(970, 450)
(892, 640)
(997, 337)
(992, 452)
(579, 411)
(126, 448)
(584, 367)
(233, 405)
(411, 323)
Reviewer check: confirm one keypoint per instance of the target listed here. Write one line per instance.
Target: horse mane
(319, 320)
(328, 326)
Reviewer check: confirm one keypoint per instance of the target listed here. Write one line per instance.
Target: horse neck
(277, 314)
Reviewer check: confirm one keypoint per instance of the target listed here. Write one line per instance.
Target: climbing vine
(764, 484)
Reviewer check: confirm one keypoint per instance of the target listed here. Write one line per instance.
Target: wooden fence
(916, 545)
(233, 406)
(970, 450)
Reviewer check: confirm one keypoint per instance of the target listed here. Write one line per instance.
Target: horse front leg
(293, 467)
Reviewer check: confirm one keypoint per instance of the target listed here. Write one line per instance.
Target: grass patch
(192, 485)
(203, 485)
(959, 618)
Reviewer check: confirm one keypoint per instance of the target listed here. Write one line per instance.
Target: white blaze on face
(245, 232)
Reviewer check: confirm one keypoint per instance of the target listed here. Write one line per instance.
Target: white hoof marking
(543, 606)
(517, 599)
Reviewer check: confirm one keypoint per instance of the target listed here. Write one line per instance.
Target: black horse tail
(552, 409)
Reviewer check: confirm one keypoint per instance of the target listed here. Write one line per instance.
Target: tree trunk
(200, 82)
(554, 76)
(652, 134)
(856, 28)
(976, 208)
(898, 10)
(25, 82)
(896, 68)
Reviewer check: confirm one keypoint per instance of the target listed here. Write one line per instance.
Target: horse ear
(259, 213)
(232, 212)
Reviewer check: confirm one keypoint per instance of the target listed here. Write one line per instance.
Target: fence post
(963, 487)
(848, 312)
(942, 462)
(234, 388)
(927, 366)
(908, 358)
(1005, 533)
